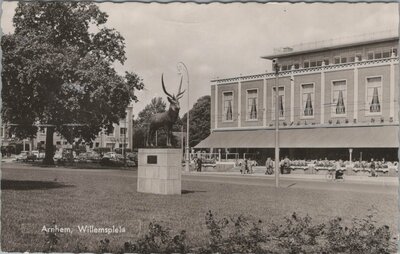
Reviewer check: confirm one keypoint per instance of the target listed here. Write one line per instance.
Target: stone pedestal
(159, 171)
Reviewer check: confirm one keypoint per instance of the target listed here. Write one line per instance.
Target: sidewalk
(309, 177)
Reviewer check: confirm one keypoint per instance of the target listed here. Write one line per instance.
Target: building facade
(121, 135)
(332, 100)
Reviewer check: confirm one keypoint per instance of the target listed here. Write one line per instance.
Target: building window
(358, 57)
(97, 144)
(228, 106)
(42, 131)
(122, 131)
(313, 63)
(394, 50)
(343, 60)
(378, 55)
(306, 64)
(326, 61)
(370, 55)
(319, 63)
(284, 68)
(252, 102)
(58, 143)
(307, 100)
(339, 98)
(336, 60)
(296, 66)
(374, 95)
(110, 145)
(111, 133)
(281, 103)
(386, 53)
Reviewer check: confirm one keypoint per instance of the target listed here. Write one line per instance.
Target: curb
(356, 179)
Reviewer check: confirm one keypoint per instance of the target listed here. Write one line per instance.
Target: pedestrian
(246, 166)
(285, 166)
(373, 168)
(250, 166)
(269, 166)
(199, 164)
(338, 170)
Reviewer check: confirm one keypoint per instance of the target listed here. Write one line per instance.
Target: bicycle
(331, 176)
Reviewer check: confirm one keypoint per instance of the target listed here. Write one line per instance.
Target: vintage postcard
(199, 128)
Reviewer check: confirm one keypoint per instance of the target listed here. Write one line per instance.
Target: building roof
(334, 44)
(318, 137)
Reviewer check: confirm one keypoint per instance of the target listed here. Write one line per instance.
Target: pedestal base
(159, 171)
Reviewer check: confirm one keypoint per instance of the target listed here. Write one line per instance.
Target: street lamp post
(276, 67)
(124, 142)
(187, 150)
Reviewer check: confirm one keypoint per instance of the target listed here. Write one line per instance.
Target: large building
(121, 135)
(335, 99)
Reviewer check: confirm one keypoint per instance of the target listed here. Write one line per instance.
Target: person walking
(199, 163)
(250, 166)
(246, 166)
(373, 168)
(269, 166)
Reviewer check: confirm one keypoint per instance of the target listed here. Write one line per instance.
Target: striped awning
(318, 137)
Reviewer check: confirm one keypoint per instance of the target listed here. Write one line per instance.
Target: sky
(223, 40)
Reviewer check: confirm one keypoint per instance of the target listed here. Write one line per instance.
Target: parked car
(22, 156)
(26, 156)
(133, 156)
(39, 155)
(58, 155)
(110, 155)
(117, 160)
(89, 157)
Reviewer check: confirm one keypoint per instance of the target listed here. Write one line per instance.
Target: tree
(199, 120)
(157, 105)
(58, 72)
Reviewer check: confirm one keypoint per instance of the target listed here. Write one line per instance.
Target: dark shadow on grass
(291, 185)
(31, 185)
(190, 191)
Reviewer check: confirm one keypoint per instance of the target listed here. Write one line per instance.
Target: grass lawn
(33, 198)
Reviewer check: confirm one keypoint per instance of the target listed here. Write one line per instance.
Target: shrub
(158, 240)
(298, 234)
(104, 246)
(80, 248)
(363, 236)
(236, 235)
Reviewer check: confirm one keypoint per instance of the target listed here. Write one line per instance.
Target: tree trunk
(48, 159)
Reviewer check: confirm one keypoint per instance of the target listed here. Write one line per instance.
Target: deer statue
(167, 118)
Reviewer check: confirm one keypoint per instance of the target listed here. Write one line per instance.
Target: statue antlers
(165, 119)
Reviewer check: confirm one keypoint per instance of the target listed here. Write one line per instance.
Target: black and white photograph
(199, 128)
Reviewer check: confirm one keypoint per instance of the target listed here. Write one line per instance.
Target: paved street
(382, 185)
(379, 186)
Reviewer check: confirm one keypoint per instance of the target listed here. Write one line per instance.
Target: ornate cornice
(311, 70)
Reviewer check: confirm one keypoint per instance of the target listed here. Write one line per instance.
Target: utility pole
(181, 66)
(277, 172)
(124, 142)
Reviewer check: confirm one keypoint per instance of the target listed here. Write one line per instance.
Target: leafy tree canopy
(199, 120)
(58, 70)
